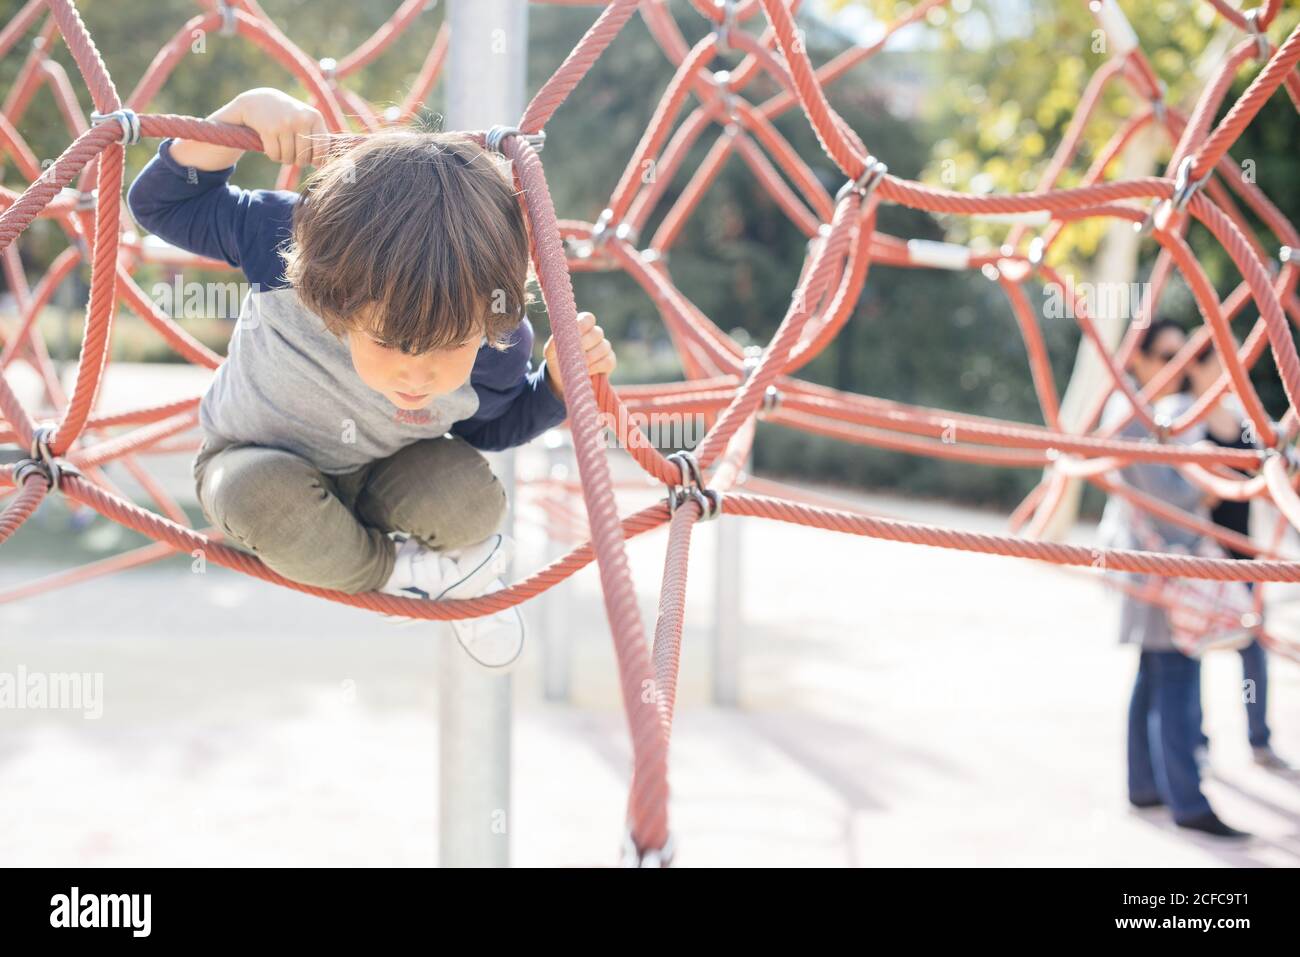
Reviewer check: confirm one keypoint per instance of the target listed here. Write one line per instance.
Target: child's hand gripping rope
(597, 350)
(292, 132)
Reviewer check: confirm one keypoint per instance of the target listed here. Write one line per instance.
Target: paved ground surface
(899, 706)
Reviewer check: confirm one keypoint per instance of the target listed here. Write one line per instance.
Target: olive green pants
(331, 530)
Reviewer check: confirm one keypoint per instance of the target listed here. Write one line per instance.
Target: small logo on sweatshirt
(413, 416)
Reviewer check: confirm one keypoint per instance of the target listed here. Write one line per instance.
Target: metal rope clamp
(722, 80)
(600, 232)
(865, 184)
(1273, 453)
(498, 134)
(1285, 451)
(228, 25)
(723, 30)
(656, 857)
(1184, 189)
(1158, 108)
(692, 486)
(771, 395)
(1164, 427)
(126, 118)
(1291, 457)
(44, 461)
(1263, 49)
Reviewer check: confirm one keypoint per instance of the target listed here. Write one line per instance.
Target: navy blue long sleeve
(200, 211)
(514, 399)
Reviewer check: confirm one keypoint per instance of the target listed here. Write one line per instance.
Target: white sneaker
(416, 573)
(494, 641)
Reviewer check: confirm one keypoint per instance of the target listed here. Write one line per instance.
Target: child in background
(1226, 425)
(383, 344)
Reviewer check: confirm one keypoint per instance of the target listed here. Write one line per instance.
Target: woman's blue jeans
(1162, 735)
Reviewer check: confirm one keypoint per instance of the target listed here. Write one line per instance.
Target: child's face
(411, 382)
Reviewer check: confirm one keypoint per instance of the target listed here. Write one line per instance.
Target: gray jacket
(1141, 622)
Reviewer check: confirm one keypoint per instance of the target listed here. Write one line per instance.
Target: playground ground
(899, 705)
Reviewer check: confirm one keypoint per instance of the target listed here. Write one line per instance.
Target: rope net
(68, 447)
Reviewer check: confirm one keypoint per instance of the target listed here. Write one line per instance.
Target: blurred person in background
(1227, 425)
(1162, 733)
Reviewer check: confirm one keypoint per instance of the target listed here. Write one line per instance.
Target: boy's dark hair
(419, 233)
(1152, 332)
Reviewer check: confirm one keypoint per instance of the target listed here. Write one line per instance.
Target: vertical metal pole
(726, 608)
(556, 611)
(485, 87)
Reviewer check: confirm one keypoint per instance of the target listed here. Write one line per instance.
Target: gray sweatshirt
(1143, 623)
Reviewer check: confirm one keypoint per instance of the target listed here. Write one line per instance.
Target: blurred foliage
(1012, 77)
(1008, 76)
(936, 338)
